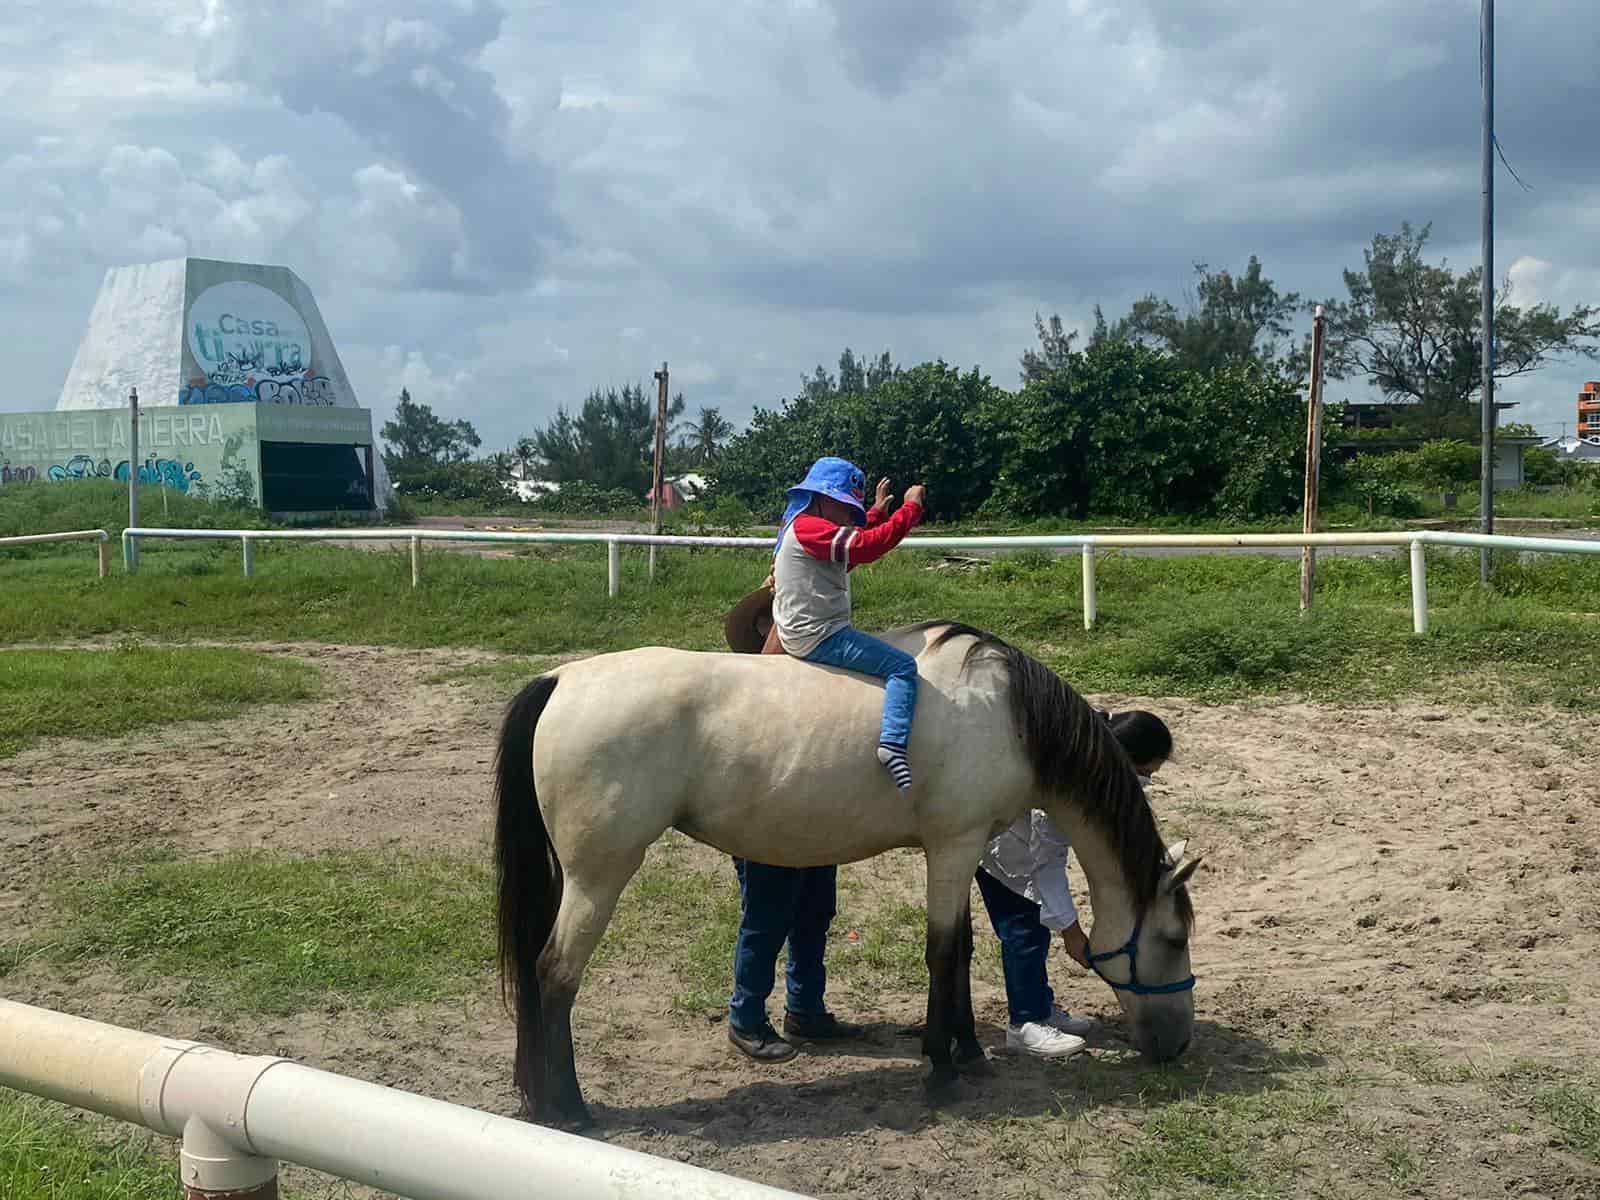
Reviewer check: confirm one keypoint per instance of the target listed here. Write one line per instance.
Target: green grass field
(1213, 627)
(271, 934)
(87, 693)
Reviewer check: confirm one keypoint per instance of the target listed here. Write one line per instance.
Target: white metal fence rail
(1087, 544)
(240, 1115)
(100, 537)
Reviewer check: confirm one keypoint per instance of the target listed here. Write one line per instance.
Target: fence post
(613, 567)
(130, 547)
(1419, 588)
(213, 1169)
(103, 552)
(1088, 585)
(249, 557)
(416, 561)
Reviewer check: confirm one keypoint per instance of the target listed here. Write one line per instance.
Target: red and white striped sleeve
(827, 542)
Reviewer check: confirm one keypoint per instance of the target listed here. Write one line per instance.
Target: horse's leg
(968, 1049)
(950, 869)
(587, 902)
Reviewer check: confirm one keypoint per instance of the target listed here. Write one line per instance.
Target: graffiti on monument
(250, 345)
(81, 466)
(10, 474)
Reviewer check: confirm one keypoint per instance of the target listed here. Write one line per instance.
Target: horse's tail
(530, 872)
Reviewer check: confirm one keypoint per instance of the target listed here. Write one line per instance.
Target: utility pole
(130, 560)
(1486, 489)
(660, 467)
(1308, 554)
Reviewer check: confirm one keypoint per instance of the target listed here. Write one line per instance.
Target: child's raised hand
(884, 494)
(918, 495)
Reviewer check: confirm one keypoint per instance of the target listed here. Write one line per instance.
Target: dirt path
(1381, 887)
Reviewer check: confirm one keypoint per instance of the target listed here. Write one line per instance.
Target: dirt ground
(1383, 889)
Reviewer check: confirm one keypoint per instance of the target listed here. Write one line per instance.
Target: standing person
(1023, 880)
(826, 533)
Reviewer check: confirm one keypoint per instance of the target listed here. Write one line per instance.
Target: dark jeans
(780, 904)
(1024, 949)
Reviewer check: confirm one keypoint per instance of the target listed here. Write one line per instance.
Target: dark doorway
(306, 477)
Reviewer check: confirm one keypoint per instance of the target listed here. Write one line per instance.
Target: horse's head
(1149, 966)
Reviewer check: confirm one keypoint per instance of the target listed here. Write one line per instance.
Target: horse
(771, 759)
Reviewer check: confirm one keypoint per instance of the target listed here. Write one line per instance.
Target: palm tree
(707, 435)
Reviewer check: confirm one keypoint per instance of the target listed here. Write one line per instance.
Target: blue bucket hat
(832, 477)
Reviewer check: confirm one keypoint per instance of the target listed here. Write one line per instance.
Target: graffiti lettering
(167, 472)
(81, 466)
(10, 474)
(317, 390)
(216, 393)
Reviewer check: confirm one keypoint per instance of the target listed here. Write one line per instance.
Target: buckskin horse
(770, 758)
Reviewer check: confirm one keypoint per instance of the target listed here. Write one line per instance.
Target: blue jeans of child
(779, 904)
(857, 651)
(1024, 949)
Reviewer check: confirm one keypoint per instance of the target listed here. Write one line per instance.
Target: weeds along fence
(100, 537)
(240, 1115)
(1088, 546)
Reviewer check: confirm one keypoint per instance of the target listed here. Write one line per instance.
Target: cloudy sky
(501, 206)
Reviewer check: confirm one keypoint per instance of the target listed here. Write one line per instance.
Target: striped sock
(894, 758)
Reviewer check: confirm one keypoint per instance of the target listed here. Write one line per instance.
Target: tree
(525, 457)
(1055, 348)
(417, 440)
(923, 425)
(1413, 330)
(609, 443)
(707, 437)
(1123, 428)
(1231, 321)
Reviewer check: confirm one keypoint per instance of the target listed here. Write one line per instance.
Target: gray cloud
(505, 208)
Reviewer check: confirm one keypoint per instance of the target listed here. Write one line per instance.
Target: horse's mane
(1075, 755)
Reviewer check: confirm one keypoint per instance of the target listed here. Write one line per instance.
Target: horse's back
(770, 758)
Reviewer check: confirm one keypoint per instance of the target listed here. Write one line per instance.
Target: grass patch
(682, 918)
(1213, 628)
(502, 676)
(88, 693)
(48, 1152)
(1573, 1107)
(267, 933)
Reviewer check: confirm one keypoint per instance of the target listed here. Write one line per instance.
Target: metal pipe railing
(1087, 544)
(100, 537)
(239, 1115)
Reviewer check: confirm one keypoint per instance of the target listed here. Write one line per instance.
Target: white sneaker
(1061, 1019)
(1041, 1041)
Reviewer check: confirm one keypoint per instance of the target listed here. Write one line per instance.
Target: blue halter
(1131, 949)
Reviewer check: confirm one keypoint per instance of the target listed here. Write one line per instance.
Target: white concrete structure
(193, 331)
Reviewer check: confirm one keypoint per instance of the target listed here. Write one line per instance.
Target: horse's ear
(1176, 879)
(1175, 853)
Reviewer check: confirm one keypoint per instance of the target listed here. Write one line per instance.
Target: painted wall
(212, 451)
(207, 453)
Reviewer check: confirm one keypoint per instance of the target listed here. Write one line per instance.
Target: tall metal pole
(1308, 554)
(660, 467)
(1486, 484)
(131, 558)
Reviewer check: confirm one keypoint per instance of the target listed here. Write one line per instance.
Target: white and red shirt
(811, 573)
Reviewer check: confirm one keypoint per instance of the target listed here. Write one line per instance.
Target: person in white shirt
(1023, 881)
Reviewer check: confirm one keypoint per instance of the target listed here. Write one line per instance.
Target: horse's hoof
(566, 1120)
(943, 1085)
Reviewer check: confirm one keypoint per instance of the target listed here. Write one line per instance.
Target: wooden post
(130, 555)
(660, 467)
(1308, 554)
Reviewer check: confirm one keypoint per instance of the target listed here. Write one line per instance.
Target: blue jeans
(1024, 949)
(857, 651)
(779, 904)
